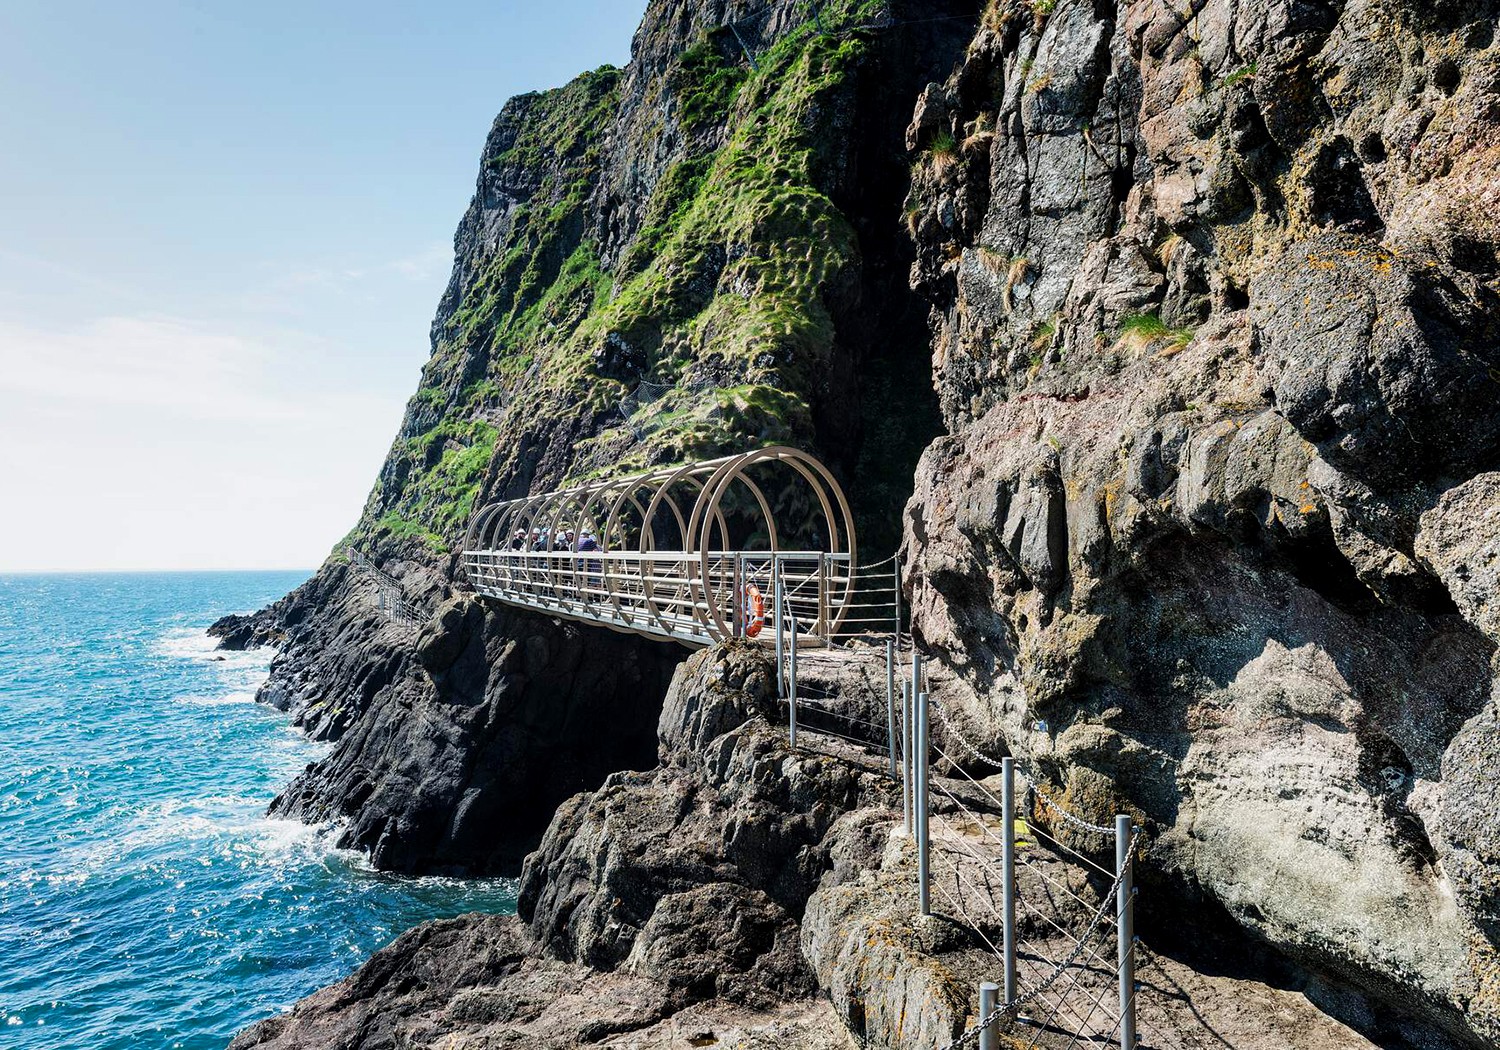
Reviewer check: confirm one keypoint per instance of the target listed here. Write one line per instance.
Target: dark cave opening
(876, 436)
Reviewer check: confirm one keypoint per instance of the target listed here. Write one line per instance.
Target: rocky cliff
(1192, 313)
(710, 238)
(1216, 339)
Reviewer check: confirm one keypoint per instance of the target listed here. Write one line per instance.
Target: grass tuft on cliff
(722, 293)
(1148, 331)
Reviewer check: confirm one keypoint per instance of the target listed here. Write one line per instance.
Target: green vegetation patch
(722, 294)
(705, 83)
(1144, 331)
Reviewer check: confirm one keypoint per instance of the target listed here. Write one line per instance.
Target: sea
(145, 898)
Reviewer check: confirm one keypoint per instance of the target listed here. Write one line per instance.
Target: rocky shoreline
(740, 894)
(1176, 333)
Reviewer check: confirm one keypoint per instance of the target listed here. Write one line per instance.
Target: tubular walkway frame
(677, 560)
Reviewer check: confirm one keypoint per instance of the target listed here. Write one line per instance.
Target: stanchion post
(908, 823)
(890, 701)
(989, 1005)
(1008, 873)
(776, 615)
(896, 563)
(1125, 915)
(737, 613)
(924, 839)
(791, 703)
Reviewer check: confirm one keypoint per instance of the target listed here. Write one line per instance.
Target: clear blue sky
(223, 231)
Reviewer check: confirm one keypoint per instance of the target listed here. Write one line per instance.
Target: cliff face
(705, 238)
(1193, 315)
(1210, 537)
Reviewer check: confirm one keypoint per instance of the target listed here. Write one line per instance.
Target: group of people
(545, 539)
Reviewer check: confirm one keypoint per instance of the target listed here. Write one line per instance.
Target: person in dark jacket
(587, 543)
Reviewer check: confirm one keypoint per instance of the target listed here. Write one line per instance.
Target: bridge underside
(693, 554)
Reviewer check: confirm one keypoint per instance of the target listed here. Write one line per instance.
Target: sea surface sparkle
(145, 898)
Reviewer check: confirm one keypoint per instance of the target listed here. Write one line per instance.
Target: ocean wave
(195, 643)
(231, 827)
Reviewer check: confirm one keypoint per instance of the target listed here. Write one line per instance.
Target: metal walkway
(756, 545)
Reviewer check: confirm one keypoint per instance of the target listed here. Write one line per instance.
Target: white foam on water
(230, 699)
(196, 644)
(223, 825)
(242, 673)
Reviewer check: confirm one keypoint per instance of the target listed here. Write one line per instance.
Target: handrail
(674, 555)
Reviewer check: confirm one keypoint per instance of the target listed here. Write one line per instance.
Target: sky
(224, 229)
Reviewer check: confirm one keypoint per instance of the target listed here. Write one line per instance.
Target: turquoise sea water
(145, 899)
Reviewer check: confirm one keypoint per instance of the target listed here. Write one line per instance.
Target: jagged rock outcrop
(1215, 302)
(696, 872)
(478, 735)
(665, 904)
(476, 982)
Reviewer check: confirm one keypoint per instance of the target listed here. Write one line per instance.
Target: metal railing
(390, 596)
(812, 597)
(686, 597)
(1076, 986)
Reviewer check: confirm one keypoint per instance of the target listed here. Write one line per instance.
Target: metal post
(908, 818)
(776, 613)
(989, 995)
(824, 630)
(890, 701)
(924, 883)
(791, 703)
(1008, 872)
(1125, 914)
(916, 672)
(896, 563)
(737, 617)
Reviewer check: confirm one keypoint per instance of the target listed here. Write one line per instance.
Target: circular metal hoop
(641, 580)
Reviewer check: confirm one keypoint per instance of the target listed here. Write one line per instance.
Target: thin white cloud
(425, 265)
(151, 363)
(156, 442)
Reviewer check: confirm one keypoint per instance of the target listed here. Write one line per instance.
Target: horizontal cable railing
(1068, 972)
(695, 598)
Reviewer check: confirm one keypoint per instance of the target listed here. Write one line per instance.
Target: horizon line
(145, 572)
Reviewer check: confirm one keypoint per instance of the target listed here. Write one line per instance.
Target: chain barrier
(973, 1034)
(1034, 792)
(1034, 991)
(963, 741)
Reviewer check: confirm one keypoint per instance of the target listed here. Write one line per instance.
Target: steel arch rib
(641, 589)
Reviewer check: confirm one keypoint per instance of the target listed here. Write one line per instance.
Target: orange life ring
(755, 610)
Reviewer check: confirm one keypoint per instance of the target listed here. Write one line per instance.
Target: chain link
(962, 740)
(1068, 818)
